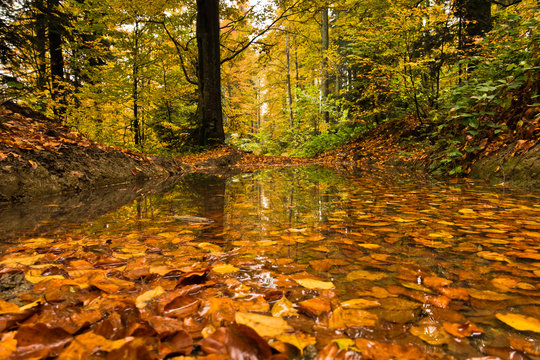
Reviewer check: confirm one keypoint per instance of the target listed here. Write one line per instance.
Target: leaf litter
(243, 285)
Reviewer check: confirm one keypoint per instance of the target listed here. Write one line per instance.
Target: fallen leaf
(265, 326)
(315, 306)
(225, 269)
(462, 330)
(283, 307)
(143, 299)
(298, 340)
(520, 322)
(315, 284)
(359, 304)
(365, 275)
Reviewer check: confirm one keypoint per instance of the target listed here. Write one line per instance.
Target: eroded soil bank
(38, 158)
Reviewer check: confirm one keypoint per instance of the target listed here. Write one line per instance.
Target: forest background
(297, 77)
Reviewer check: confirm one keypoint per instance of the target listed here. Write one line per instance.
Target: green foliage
(328, 141)
(498, 89)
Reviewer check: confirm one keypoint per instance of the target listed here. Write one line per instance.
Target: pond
(369, 267)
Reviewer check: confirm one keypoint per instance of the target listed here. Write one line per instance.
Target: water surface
(431, 266)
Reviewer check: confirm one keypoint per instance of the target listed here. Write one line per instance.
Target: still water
(405, 267)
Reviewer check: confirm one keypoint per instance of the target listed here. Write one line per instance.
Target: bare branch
(284, 14)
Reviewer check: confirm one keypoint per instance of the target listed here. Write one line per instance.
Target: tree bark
(325, 84)
(56, 58)
(209, 70)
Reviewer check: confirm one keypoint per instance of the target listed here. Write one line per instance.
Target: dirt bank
(38, 157)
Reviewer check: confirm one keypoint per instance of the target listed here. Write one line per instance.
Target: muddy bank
(510, 166)
(38, 158)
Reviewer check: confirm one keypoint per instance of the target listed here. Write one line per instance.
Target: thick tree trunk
(56, 58)
(41, 44)
(209, 69)
(325, 41)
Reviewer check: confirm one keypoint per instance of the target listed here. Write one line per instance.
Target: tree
(209, 70)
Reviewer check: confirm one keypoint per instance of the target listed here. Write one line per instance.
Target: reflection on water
(432, 257)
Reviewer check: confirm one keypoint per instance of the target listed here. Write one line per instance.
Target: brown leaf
(181, 307)
(40, 341)
(179, 343)
(239, 342)
(376, 350)
(315, 306)
(462, 330)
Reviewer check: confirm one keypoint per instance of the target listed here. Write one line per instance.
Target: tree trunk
(41, 44)
(325, 41)
(56, 58)
(209, 70)
(135, 93)
(289, 85)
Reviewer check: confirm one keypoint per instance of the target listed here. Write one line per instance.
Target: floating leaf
(265, 326)
(146, 297)
(315, 284)
(365, 275)
(283, 307)
(225, 269)
(488, 295)
(359, 304)
(430, 333)
(520, 322)
(315, 306)
(462, 330)
(298, 340)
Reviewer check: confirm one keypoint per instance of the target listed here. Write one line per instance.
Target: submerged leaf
(315, 284)
(265, 326)
(520, 322)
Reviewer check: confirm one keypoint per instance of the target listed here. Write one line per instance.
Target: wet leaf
(315, 284)
(8, 307)
(265, 326)
(283, 307)
(40, 341)
(359, 304)
(143, 299)
(8, 344)
(225, 269)
(520, 322)
(430, 333)
(377, 350)
(238, 342)
(462, 330)
(345, 318)
(298, 340)
(488, 295)
(365, 275)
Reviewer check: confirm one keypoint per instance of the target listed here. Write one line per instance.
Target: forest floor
(39, 157)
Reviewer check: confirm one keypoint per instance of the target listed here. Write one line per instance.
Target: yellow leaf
(225, 269)
(365, 275)
(144, 298)
(344, 343)
(283, 307)
(31, 305)
(467, 211)
(298, 340)
(520, 322)
(489, 255)
(8, 344)
(315, 284)
(14, 261)
(345, 318)
(369, 246)
(359, 304)
(7, 307)
(34, 276)
(488, 295)
(209, 247)
(265, 326)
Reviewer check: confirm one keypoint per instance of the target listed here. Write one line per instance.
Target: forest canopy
(288, 76)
